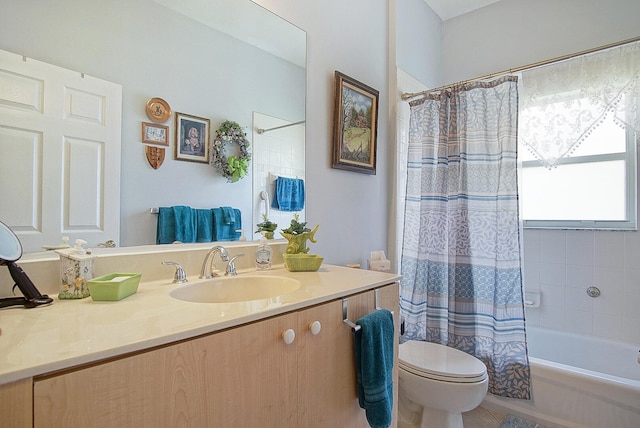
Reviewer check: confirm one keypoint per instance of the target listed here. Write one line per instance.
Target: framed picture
(192, 138)
(355, 125)
(153, 133)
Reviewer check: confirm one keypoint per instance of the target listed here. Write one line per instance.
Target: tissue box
(380, 265)
(378, 262)
(114, 286)
(75, 271)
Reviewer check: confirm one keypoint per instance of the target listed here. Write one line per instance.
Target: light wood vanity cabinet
(242, 377)
(16, 409)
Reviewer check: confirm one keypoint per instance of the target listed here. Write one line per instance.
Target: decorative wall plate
(155, 156)
(158, 110)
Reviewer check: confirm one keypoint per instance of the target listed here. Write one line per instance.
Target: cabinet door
(328, 394)
(240, 377)
(15, 404)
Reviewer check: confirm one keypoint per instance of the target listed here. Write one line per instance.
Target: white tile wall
(562, 264)
(281, 153)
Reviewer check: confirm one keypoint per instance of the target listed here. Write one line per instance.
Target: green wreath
(233, 168)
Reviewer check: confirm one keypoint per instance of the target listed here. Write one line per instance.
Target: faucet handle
(180, 276)
(231, 266)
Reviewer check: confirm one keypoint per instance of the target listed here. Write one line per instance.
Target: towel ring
(345, 310)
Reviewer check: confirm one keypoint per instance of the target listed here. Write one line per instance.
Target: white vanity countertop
(72, 332)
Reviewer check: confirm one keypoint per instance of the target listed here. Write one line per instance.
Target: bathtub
(577, 381)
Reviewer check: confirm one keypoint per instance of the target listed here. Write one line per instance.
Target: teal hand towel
(289, 194)
(228, 215)
(204, 229)
(165, 229)
(177, 223)
(185, 223)
(374, 346)
(223, 231)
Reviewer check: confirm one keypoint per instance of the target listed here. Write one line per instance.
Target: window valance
(562, 103)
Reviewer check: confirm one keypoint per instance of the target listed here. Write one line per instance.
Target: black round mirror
(10, 247)
(10, 251)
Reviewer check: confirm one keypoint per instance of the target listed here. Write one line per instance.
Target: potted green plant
(297, 234)
(267, 227)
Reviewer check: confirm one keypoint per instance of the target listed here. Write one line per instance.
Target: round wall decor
(158, 110)
(233, 168)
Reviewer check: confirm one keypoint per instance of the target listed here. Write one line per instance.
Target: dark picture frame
(355, 125)
(152, 133)
(192, 138)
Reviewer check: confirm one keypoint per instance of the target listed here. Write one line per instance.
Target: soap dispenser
(263, 255)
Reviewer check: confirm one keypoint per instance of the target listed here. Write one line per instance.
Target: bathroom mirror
(178, 51)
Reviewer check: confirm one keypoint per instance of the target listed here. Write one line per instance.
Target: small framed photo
(153, 133)
(192, 138)
(355, 125)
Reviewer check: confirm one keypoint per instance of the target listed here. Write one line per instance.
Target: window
(581, 118)
(593, 188)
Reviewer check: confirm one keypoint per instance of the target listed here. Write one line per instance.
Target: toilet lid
(439, 362)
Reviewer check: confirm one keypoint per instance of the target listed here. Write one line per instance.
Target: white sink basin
(240, 288)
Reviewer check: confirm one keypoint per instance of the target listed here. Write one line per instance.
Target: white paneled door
(60, 135)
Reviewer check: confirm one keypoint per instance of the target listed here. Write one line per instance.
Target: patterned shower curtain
(462, 283)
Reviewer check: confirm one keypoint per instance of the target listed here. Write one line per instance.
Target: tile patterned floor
(482, 418)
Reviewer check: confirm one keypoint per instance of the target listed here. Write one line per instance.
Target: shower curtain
(461, 282)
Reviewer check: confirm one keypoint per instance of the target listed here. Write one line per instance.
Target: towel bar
(345, 315)
(273, 177)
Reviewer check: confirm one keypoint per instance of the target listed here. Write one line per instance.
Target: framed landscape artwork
(355, 125)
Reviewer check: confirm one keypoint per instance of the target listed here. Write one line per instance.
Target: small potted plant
(297, 234)
(267, 227)
(296, 257)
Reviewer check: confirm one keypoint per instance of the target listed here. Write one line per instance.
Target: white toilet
(437, 384)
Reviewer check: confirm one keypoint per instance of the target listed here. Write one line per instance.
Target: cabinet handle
(315, 327)
(288, 336)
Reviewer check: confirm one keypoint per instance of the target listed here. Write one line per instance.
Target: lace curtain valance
(563, 102)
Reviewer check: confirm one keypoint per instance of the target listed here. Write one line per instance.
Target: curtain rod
(407, 96)
(262, 131)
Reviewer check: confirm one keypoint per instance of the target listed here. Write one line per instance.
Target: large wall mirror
(214, 59)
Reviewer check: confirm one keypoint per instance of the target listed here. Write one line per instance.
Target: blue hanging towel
(186, 223)
(177, 223)
(205, 225)
(223, 230)
(374, 345)
(289, 194)
(166, 227)
(228, 215)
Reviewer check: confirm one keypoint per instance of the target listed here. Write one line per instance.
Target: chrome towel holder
(345, 308)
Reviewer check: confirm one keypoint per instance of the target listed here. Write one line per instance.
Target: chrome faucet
(207, 266)
(231, 266)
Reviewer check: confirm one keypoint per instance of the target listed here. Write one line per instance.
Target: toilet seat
(440, 362)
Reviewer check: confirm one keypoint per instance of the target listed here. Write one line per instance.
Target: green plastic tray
(104, 288)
